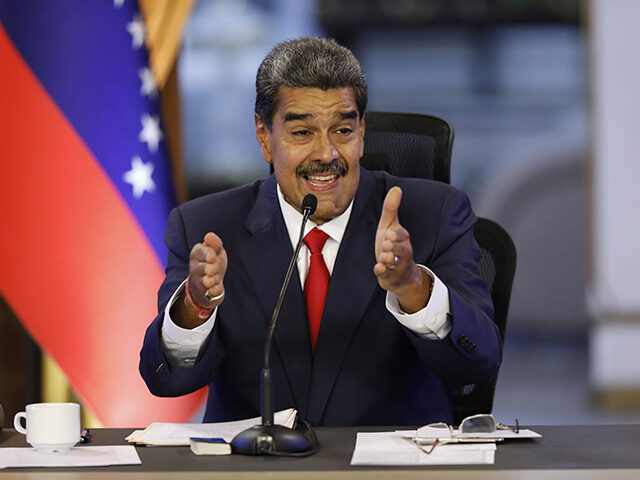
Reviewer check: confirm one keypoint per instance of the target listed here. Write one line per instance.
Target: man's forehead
(292, 115)
(307, 103)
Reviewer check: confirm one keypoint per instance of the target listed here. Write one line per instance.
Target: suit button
(465, 343)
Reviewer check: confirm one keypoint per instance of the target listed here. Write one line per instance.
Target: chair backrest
(419, 146)
(497, 267)
(408, 145)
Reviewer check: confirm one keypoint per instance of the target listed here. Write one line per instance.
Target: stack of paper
(89, 456)
(388, 448)
(410, 447)
(159, 433)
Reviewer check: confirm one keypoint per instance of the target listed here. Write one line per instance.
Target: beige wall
(614, 293)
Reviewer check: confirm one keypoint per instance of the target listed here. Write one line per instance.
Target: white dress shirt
(182, 345)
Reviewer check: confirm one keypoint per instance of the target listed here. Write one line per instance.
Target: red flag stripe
(76, 267)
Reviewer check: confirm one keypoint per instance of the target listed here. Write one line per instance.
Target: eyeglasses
(443, 433)
(485, 423)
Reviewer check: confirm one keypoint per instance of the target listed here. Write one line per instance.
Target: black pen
(85, 436)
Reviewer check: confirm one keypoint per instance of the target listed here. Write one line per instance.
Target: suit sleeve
(161, 378)
(472, 351)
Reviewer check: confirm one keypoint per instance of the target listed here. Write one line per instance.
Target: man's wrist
(185, 315)
(203, 312)
(415, 296)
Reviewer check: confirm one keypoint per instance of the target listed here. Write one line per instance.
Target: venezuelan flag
(85, 192)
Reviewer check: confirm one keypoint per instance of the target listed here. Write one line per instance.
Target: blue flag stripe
(84, 55)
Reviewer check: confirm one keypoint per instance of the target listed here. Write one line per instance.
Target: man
(405, 315)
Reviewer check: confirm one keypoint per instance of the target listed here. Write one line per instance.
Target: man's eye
(344, 131)
(301, 133)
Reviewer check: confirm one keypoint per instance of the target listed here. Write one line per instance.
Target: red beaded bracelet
(202, 312)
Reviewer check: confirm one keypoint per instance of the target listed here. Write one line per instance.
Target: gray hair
(307, 62)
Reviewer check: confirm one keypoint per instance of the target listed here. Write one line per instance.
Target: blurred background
(525, 85)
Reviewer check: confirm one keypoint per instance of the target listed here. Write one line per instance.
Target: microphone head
(309, 202)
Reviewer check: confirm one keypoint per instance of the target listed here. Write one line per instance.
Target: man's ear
(263, 134)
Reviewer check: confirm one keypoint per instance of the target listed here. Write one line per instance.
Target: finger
(196, 251)
(396, 239)
(198, 271)
(387, 258)
(196, 286)
(216, 290)
(202, 269)
(380, 270)
(219, 265)
(208, 255)
(202, 253)
(390, 235)
(387, 246)
(390, 207)
(211, 282)
(390, 250)
(211, 269)
(213, 241)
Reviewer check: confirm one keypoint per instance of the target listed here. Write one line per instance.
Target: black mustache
(317, 167)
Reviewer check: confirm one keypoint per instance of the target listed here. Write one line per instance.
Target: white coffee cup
(50, 426)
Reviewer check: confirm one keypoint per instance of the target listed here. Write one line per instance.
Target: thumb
(390, 208)
(212, 240)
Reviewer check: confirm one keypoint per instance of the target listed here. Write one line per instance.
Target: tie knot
(315, 240)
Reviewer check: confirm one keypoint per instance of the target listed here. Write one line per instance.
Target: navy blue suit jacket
(367, 369)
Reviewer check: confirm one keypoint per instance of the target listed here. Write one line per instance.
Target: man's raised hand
(395, 268)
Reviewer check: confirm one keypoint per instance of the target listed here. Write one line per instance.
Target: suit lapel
(350, 289)
(265, 252)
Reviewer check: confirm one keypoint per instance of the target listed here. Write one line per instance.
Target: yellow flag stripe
(164, 22)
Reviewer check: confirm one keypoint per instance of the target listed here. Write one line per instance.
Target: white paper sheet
(134, 436)
(159, 434)
(89, 456)
(387, 448)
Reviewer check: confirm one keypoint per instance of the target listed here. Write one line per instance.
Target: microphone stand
(268, 438)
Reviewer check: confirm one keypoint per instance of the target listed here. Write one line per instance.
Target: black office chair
(408, 145)
(419, 146)
(497, 267)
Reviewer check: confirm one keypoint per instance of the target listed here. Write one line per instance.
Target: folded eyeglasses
(476, 424)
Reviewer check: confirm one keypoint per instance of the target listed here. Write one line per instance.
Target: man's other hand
(207, 266)
(395, 268)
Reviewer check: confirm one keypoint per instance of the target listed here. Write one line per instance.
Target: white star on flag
(140, 177)
(148, 86)
(136, 29)
(118, 3)
(150, 132)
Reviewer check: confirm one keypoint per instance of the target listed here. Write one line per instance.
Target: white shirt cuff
(432, 322)
(181, 345)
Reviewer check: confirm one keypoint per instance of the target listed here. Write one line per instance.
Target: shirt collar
(293, 219)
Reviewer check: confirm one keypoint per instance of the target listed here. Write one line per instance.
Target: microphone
(309, 205)
(267, 438)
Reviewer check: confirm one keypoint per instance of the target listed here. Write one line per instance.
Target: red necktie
(317, 282)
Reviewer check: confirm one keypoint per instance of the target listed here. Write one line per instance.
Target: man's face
(315, 144)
